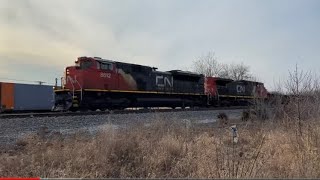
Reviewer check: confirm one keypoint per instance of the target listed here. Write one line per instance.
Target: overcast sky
(39, 38)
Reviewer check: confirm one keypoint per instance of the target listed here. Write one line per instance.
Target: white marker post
(234, 134)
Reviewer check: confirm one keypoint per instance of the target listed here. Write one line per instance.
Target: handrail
(217, 94)
(208, 98)
(75, 78)
(62, 84)
(71, 80)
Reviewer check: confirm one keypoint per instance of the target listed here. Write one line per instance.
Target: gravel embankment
(12, 129)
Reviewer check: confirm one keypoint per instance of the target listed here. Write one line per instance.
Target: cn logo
(162, 81)
(241, 89)
(105, 75)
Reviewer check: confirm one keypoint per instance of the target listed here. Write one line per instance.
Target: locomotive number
(105, 75)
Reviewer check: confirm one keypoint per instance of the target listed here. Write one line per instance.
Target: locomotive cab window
(106, 66)
(86, 64)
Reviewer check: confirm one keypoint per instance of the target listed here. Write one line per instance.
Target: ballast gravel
(13, 129)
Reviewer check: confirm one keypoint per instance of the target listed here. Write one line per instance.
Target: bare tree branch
(209, 66)
(239, 72)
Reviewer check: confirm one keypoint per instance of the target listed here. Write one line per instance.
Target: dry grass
(168, 150)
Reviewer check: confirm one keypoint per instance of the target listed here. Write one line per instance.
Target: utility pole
(40, 82)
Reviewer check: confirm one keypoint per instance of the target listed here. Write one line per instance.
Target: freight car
(96, 83)
(25, 97)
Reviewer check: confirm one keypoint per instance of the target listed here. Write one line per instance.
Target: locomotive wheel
(183, 106)
(73, 109)
(121, 108)
(83, 109)
(92, 109)
(103, 109)
(117, 108)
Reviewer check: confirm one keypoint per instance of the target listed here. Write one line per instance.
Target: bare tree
(207, 65)
(300, 86)
(225, 71)
(239, 72)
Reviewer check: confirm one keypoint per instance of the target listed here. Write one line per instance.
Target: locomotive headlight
(67, 72)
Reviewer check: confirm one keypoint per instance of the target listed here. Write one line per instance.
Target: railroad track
(126, 111)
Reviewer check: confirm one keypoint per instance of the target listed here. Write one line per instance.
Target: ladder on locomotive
(74, 81)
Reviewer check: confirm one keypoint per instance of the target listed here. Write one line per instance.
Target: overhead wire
(23, 80)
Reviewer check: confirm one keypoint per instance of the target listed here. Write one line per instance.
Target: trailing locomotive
(226, 92)
(96, 83)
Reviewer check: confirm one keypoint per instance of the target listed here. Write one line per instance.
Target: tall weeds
(165, 150)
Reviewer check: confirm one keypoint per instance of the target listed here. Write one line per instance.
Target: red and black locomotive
(96, 83)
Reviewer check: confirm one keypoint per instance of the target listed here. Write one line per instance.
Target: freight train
(95, 83)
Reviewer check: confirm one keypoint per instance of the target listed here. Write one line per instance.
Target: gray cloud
(270, 36)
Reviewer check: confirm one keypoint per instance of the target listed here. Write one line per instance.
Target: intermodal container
(33, 97)
(7, 96)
